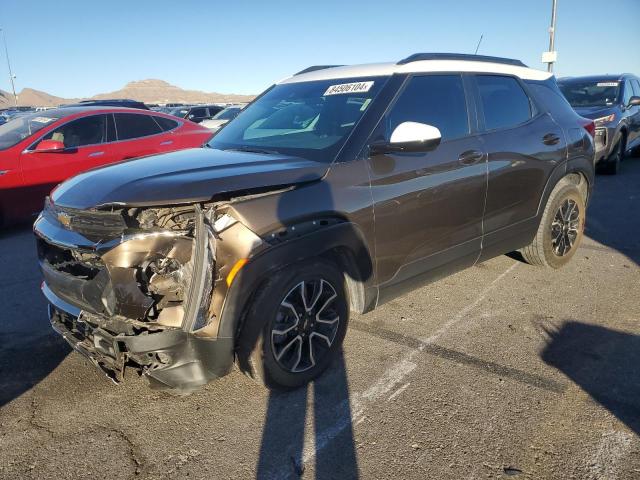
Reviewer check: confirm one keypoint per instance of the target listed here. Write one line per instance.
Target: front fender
(344, 235)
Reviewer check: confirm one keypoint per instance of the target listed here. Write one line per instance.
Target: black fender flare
(580, 165)
(344, 235)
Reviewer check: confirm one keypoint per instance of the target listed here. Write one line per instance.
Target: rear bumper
(174, 358)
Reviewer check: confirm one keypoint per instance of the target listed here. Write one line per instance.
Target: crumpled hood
(185, 176)
(594, 112)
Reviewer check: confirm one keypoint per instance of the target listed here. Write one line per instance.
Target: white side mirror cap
(410, 132)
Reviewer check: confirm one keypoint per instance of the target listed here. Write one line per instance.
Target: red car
(39, 150)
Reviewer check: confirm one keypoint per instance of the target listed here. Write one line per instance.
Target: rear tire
(561, 228)
(295, 325)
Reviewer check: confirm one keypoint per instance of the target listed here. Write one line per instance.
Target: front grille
(91, 224)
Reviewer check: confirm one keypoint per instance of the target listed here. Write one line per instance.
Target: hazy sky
(74, 48)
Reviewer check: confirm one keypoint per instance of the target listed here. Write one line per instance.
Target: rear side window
(551, 98)
(504, 102)
(131, 125)
(214, 110)
(436, 100)
(166, 124)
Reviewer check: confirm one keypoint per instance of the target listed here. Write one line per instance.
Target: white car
(222, 117)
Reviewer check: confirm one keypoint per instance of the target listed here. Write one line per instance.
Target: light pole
(552, 54)
(11, 76)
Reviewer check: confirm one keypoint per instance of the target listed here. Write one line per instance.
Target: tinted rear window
(504, 102)
(131, 125)
(166, 123)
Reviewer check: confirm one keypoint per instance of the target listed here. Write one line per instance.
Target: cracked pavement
(500, 371)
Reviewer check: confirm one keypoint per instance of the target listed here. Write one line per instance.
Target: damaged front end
(143, 288)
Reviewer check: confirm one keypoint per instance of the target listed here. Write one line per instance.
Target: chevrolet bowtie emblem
(64, 219)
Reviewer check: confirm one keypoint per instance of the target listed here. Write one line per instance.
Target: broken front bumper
(174, 358)
(98, 303)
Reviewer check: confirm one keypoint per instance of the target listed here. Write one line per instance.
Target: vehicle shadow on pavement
(603, 362)
(283, 453)
(614, 209)
(29, 349)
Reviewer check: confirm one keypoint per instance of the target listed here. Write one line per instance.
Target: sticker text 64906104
(357, 87)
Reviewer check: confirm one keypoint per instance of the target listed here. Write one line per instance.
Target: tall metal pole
(6, 51)
(552, 33)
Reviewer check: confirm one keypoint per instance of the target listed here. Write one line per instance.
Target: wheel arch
(578, 170)
(342, 243)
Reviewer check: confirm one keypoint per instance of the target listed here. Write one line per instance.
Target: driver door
(85, 140)
(428, 205)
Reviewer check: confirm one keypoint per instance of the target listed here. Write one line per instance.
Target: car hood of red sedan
(186, 176)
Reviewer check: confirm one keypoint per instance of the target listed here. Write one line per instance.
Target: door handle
(470, 157)
(550, 139)
(96, 154)
(166, 142)
(2, 172)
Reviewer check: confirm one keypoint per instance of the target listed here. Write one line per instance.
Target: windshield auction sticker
(357, 87)
(42, 119)
(607, 84)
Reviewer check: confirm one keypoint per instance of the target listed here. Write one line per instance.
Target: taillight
(589, 126)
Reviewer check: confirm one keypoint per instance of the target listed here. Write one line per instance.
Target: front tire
(612, 162)
(295, 325)
(561, 228)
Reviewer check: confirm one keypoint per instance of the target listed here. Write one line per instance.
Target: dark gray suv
(613, 103)
(336, 190)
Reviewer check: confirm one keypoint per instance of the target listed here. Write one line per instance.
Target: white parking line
(391, 377)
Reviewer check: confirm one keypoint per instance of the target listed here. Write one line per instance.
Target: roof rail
(313, 68)
(416, 57)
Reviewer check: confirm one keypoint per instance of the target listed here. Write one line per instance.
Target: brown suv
(334, 191)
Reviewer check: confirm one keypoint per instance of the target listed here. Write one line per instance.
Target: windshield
(590, 94)
(307, 119)
(227, 114)
(21, 127)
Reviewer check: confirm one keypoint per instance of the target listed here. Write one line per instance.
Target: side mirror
(410, 137)
(50, 146)
(634, 102)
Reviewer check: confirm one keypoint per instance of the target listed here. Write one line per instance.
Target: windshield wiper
(252, 150)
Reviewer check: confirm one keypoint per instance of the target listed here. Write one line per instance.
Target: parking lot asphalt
(502, 370)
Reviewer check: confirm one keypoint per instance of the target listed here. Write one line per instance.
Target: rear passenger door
(428, 205)
(524, 144)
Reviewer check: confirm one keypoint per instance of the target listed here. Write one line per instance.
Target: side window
(166, 124)
(437, 100)
(504, 102)
(214, 110)
(82, 132)
(628, 93)
(550, 96)
(198, 112)
(132, 125)
(636, 88)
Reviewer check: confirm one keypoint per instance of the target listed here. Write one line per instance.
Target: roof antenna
(478, 46)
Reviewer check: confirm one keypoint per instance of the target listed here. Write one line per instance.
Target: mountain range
(148, 91)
